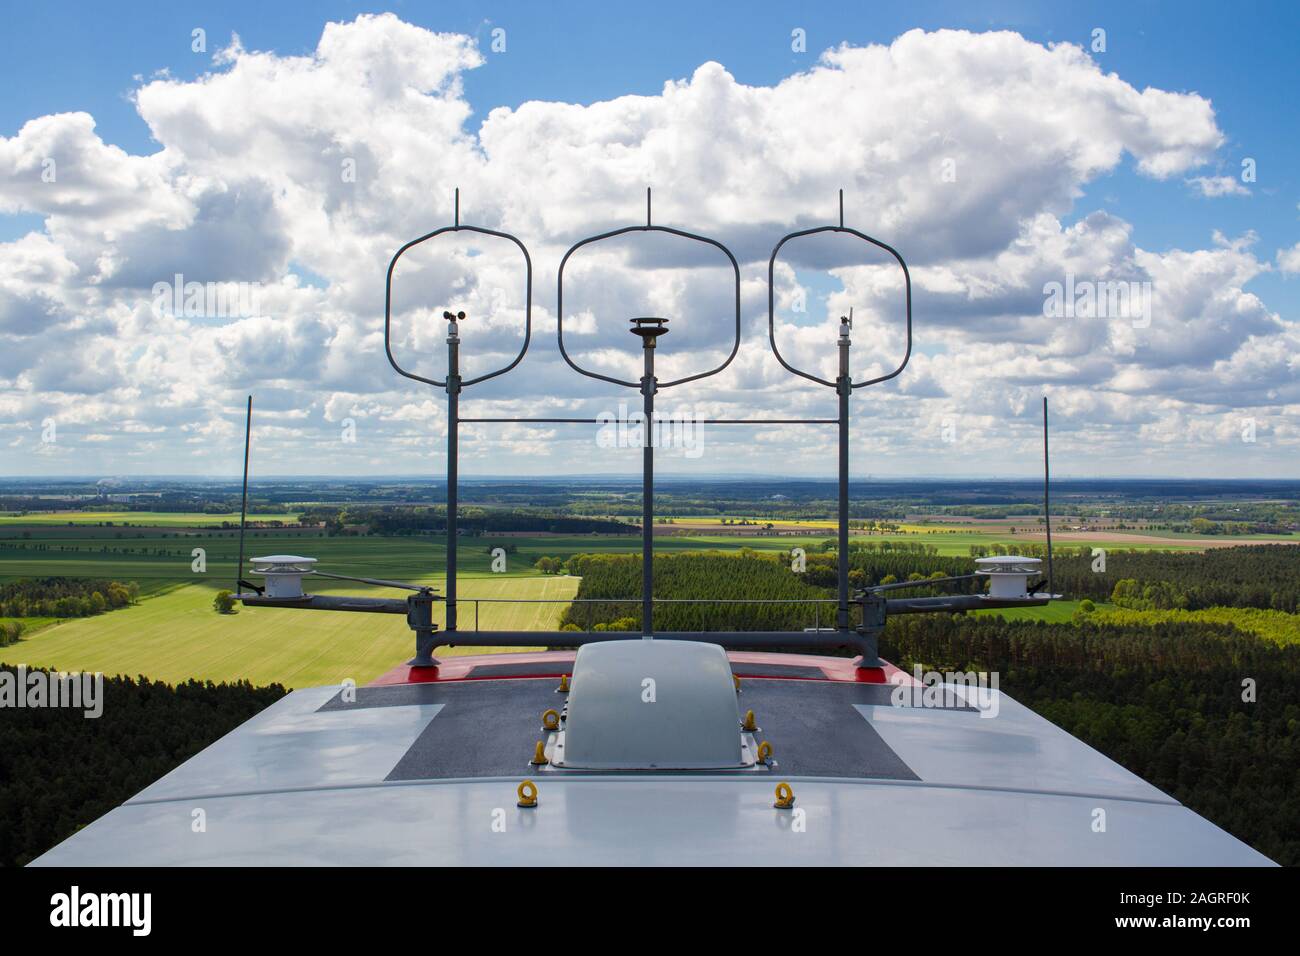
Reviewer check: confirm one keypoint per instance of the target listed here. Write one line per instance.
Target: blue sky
(92, 58)
(1240, 56)
(83, 56)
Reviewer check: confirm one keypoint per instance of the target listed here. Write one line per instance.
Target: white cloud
(968, 152)
(1288, 260)
(1214, 186)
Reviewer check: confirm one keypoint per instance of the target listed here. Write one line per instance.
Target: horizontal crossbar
(625, 421)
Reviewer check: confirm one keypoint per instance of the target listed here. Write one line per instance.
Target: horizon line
(632, 477)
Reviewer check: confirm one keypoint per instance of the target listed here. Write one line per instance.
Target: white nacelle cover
(652, 705)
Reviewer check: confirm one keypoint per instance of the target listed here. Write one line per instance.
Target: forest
(1169, 702)
(64, 597)
(1261, 576)
(59, 771)
(1258, 576)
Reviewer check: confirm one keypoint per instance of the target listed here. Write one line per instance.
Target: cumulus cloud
(1288, 260)
(1214, 186)
(297, 176)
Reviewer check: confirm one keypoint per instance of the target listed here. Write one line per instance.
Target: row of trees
(882, 547)
(712, 577)
(64, 597)
(791, 600)
(1262, 576)
(426, 519)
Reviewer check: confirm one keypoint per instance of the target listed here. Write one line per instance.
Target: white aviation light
(283, 573)
(1008, 574)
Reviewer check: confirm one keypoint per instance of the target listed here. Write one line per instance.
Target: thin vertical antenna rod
(456, 220)
(1047, 508)
(844, 386)
(243, 507)
(647, 207)
(841, 208)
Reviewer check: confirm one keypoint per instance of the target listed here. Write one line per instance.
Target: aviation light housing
(1008, 574)
(283, 573)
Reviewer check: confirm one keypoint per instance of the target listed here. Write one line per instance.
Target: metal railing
(649, 329)
(872, 607)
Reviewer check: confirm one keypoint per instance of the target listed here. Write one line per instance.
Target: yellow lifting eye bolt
(564, 684)
(784, 796)
(765, 753)
(551, 719)
(749, 725)
(527, 794)
(539, 755)
(736, 678)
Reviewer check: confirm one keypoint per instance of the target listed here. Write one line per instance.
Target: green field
(142, 554)
(32, 624)
(176, 635)
(958, 543)
(1058, 612)
(173, 634)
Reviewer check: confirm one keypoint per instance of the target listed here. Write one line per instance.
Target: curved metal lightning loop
(771, 300)
(559, 309)
(528, 306)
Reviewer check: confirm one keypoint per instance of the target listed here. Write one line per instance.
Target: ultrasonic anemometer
(1009, 576)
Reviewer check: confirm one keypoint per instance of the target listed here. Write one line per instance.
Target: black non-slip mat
(488, 728)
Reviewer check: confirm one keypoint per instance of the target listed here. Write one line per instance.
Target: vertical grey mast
(873, 607)
(648, 329)
(648, 490)
(844, 386)
(453, 428)
(1047, 506)
(453, 384)
(243, 507)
